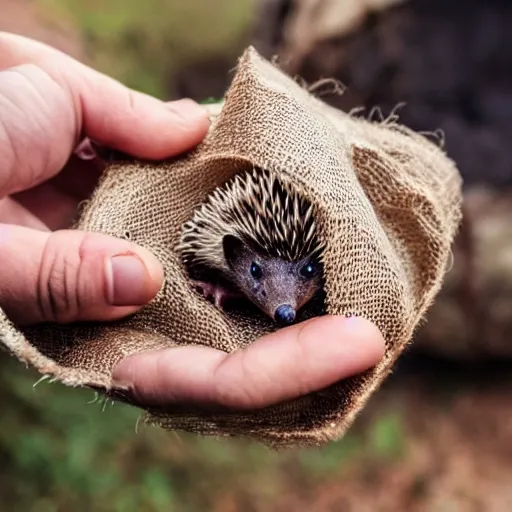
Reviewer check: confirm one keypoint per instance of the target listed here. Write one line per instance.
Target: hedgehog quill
(255, 238)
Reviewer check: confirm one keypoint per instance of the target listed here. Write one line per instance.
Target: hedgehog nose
(284, 314)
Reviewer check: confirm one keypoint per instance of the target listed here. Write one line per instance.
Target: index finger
(107, 111)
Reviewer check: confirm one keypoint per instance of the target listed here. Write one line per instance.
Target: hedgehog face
(278, 287)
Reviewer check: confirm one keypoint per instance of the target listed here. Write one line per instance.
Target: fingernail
(187, 109)
(127, 279)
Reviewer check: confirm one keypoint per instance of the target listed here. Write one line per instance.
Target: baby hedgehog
(255, 238)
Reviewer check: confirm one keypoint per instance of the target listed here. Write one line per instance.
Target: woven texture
(387, 204)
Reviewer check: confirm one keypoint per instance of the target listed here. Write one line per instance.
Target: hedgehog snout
(285, 314)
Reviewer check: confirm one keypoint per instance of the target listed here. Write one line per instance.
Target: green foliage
(210, 100)
(63, 449)
(327, 461)
(384, 439)
(387, 436)
(143, 43)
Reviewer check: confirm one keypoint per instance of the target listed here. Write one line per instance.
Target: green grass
(143, 43)
(63, 450)
(386, 437)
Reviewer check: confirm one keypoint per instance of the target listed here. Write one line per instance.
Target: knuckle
(131, 101)
(27, 116)
(239, 382)
(58, 285)
(303, 361)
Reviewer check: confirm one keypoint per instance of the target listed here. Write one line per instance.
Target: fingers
(281, 366)
(68, 276)
(38, 126)
(111, 113)
(49, 101)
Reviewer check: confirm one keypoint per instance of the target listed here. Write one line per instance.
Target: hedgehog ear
(234, 249)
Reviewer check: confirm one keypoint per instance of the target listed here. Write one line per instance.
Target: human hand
(48, 103)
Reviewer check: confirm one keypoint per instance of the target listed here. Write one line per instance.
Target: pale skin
(48, 102)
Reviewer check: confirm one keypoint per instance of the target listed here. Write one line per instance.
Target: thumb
(67, 276)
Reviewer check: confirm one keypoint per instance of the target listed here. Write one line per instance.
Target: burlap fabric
(387, 204)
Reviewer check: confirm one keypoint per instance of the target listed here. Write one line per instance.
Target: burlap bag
(387, 204)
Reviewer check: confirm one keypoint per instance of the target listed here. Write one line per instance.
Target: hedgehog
(255, 238)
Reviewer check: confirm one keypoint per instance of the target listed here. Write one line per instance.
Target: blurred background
(437, 435)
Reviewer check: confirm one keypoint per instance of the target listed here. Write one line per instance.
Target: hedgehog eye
(308, 270)
(256, 271)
